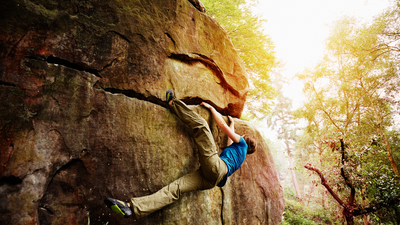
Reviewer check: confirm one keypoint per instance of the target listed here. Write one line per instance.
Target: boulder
(198, 4)
(83, 117)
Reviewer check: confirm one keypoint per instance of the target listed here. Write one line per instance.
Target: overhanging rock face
(82, 113)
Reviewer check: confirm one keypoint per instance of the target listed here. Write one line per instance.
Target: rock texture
(82, 115)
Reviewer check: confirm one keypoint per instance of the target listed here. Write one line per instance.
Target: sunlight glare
(299, 29)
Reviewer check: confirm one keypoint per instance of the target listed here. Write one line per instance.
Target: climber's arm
(221, 123)
(232, 126)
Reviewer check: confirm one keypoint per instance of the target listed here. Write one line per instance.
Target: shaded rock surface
(82, 115)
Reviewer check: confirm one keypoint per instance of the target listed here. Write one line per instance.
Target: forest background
(339, 151)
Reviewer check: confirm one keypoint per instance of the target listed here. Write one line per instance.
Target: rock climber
(214, 170)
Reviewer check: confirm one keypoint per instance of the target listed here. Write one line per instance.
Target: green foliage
(297, 213)
(351, 96)
(255, 48)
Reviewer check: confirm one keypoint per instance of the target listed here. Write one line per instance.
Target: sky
(299, 27)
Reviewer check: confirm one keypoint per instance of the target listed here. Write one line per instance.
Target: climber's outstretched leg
(212, 169)
(211, 164)
(143, 206)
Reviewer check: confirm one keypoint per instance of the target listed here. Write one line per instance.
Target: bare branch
(326, 113)
(326, 185)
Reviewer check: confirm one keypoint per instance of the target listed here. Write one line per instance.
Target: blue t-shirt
(233, 156)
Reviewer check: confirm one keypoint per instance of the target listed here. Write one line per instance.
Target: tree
(350, 208)
(314, 146)
(281, 120)
(348, 86)
(350, 93)
(254, 47)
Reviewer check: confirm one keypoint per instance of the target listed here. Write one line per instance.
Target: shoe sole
(116, 209)
(169, 96)
(113, 205)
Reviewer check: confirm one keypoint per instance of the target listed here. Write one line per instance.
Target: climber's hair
(251, 143)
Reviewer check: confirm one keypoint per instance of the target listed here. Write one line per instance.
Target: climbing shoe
(118, 206)
(169, 96)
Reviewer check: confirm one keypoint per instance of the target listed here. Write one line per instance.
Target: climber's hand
(205, 104)
(232, 123)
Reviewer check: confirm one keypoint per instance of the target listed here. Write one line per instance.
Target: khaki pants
(212, 169)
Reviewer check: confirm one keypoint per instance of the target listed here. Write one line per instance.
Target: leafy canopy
(350, 97)
(255, 48)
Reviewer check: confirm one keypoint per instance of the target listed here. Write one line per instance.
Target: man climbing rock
(214, 170)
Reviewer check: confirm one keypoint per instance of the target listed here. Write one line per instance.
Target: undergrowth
(307, 214)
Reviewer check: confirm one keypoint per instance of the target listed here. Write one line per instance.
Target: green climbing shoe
(169, 96)
(118, 206)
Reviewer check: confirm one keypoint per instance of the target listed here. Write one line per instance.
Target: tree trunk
(367, 220)
(382, 133)
(389, 153)
(310, 194)
(296, 186)
(397, 213)
(323, 201)
(349, 217)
